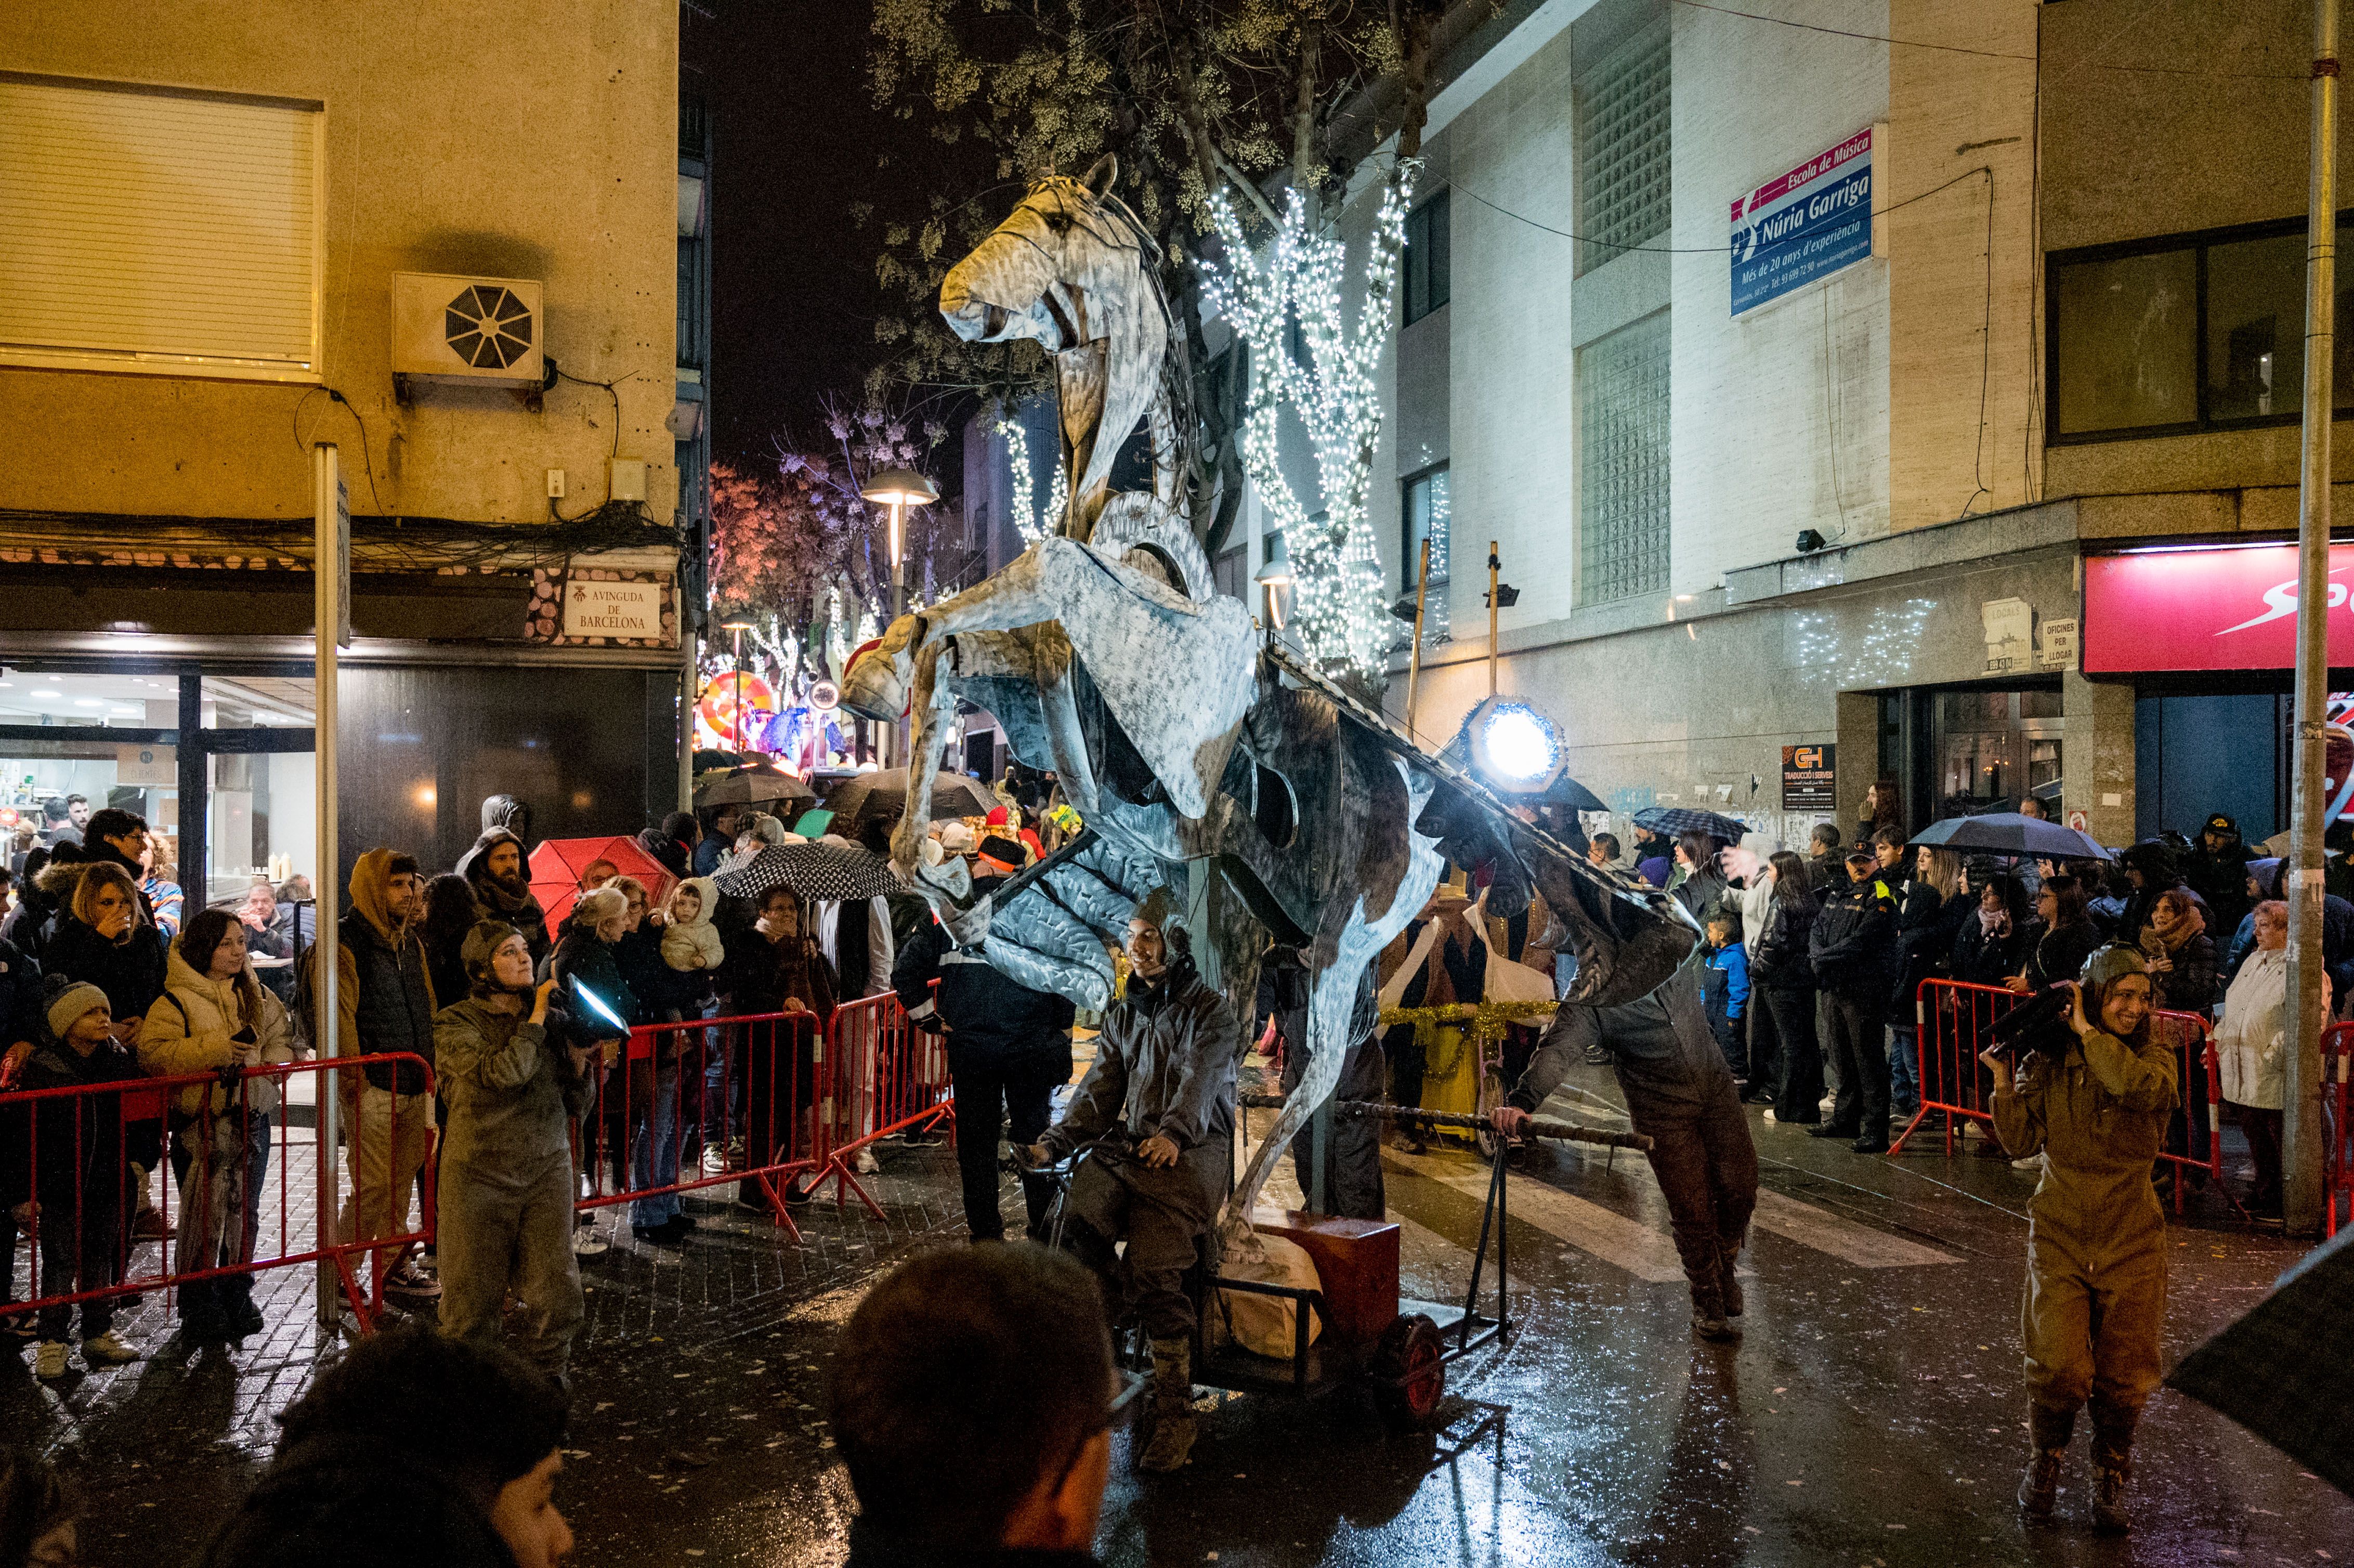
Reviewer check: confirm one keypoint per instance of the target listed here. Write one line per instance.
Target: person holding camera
(515, 1078)
(2093, 1100)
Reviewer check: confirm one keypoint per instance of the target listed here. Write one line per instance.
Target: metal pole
(329, 564)
(1492, 565)
(2301, 1142)
(1414, 655)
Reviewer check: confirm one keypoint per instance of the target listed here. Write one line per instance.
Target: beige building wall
(2132, 154)
(525, 141)
(1964, 405)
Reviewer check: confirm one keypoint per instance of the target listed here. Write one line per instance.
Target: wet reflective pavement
(1872, 1414)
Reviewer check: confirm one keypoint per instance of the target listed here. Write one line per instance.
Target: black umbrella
(749, 786)
(1570, 795)
(2008, 832)
(884, 793)
(814, 870)
(1673, 820)
(2282, 1373)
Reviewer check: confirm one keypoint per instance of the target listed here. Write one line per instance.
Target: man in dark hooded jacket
(1009, 1047)
(671, 843)
(2217, 870)
(507, 811)
(498, 870)
(1159, 1104)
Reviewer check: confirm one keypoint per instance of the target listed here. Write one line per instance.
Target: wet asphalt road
(1872, 1414)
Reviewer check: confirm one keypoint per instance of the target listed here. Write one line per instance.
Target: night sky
(796, 136)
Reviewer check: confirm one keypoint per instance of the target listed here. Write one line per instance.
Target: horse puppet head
(1071, 267)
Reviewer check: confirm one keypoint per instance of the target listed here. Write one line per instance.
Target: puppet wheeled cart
(1395, 1347)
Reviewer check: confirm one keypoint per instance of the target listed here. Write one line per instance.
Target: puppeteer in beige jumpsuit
(2097, 1235)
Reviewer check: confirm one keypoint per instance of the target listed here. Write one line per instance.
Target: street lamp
(1273, 577)
(738, 628)
(899, 487)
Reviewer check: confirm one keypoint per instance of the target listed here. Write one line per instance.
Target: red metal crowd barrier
(761, 1080)
(1954, 1020)
(890, 1078)
(801, 1098)
(232, 1170)
(2336, 1123)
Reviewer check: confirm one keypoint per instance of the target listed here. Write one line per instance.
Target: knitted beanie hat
(67, 1000)
(486, 938)
(2106, 966)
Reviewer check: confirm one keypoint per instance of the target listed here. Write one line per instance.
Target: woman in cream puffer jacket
(215, 1015)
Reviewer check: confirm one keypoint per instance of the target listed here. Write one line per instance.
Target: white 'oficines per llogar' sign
(613, 610)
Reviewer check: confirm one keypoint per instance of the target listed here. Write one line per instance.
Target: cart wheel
(1409, 1373)
(1492, 1096)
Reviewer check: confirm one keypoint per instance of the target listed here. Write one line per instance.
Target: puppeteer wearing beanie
(2105, 968)
(67, 1000)
(486, 938)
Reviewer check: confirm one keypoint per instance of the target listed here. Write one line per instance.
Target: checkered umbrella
(815, 871)
(1673, 820)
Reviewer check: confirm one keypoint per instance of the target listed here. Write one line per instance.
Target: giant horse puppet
(1108, 656)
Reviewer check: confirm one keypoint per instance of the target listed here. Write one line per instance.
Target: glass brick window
(1424, 512)
(1623, 148)
(1622, 491)
(1425, 261)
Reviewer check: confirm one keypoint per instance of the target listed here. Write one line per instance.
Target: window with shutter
(147, 229)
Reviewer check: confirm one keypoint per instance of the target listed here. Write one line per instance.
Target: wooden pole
(1492, 565)
(1414, 655)
(2301, 1134)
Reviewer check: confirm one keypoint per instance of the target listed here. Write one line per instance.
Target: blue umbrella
(2008, 832)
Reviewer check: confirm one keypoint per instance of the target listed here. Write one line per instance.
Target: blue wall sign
(1804, 225)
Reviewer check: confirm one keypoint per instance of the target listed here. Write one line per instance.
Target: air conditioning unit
(483, 332)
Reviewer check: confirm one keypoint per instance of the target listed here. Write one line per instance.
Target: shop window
(2186, 333)
(1426, 263)
(1622, 514)
(1425, 513)
(1624, 148)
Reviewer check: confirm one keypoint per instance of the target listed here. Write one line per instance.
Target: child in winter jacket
(1725, 990)
(690, 941)
(89, 1163)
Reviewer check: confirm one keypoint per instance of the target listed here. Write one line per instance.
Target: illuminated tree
(1300, 279)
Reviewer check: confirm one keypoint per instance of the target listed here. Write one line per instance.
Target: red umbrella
(557, 865)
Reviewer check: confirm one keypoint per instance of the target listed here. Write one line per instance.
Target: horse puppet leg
(1358, 923)
(933, 705)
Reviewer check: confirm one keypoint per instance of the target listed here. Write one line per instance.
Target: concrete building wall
(1781, 414)
(521, 141)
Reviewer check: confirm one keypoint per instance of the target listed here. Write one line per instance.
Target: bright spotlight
(1513, 747)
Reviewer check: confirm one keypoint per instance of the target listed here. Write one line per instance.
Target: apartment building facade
(237, 231)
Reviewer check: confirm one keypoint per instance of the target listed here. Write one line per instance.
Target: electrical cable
(1986, 358)
(1993, 54)
(1684, 250)
(610, 391)
(335, 397)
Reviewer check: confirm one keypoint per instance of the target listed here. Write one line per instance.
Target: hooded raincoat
(2095, 1292)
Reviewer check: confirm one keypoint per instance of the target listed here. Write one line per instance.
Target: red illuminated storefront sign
(2228, 608)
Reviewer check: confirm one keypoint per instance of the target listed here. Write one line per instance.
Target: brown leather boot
(2109, 1498)
(2112, 1436)
(1173, 1407)
(2039, 1488)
